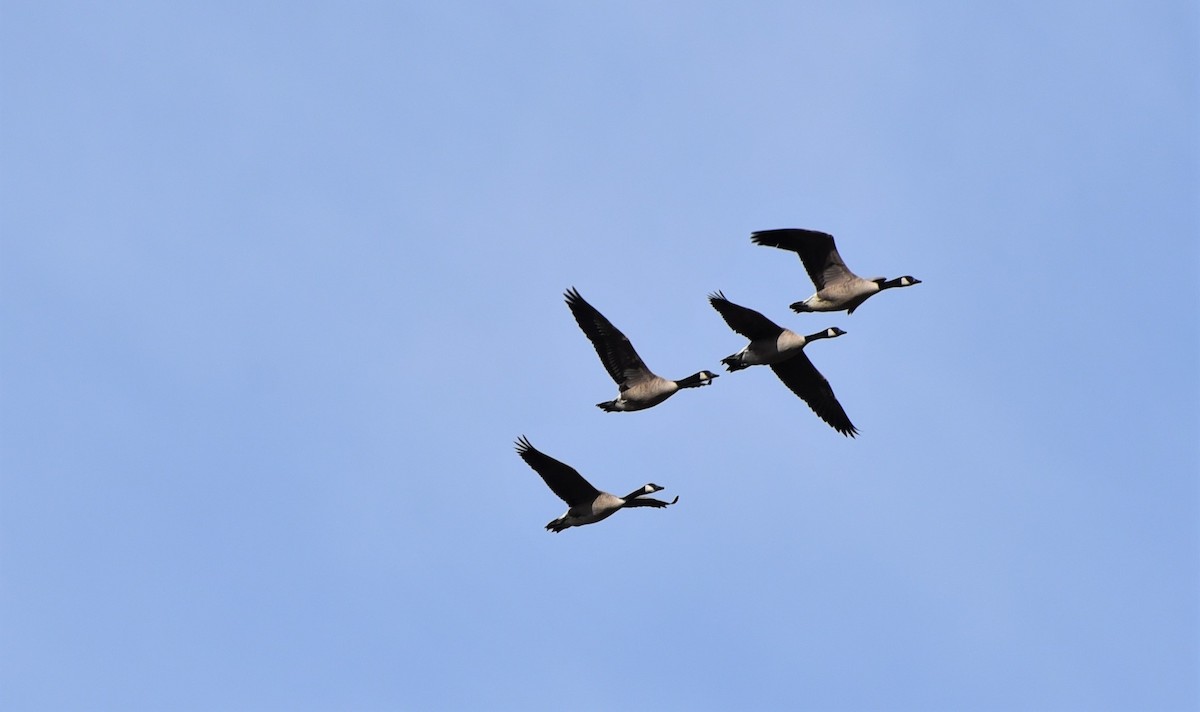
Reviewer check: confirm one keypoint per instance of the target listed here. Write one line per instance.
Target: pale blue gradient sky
(281, 282)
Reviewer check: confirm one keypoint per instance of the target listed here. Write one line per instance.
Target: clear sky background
(281, 282)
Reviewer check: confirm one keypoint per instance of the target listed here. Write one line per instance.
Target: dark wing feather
(743, 320)
(568, 484)
(803, 378)
(649, 502)
(817, 251)
(613, 348)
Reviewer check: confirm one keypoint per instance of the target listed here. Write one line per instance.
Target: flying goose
(638, 387)
(783, 350)
(837, 287)
(586, 503)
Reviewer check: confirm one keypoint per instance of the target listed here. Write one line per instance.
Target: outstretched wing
(560, 477)
(613, 348)
(803, 378)
(649, 502)
(817, 251)
(743, 320)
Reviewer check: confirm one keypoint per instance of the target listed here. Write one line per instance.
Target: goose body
(838, 288)
(586, 504)
(783, 350)
(638, 387)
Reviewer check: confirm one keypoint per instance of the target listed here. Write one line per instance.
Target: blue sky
(280, 283)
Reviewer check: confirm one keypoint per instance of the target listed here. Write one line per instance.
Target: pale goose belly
(646, 394)
(844, 294)
(767, 351)
(600, 508)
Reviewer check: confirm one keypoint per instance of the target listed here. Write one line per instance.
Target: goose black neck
(701, 378)
(635, 494)
(898, 282)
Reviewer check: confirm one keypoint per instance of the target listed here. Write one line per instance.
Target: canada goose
(783, 350)
(638, 387)
(586, 503)
(837, 287)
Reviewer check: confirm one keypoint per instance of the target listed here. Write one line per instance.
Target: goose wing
(803, 378)
(560, 477)
(817, 251)
(743, 320)
(616, 353)
(649, 502)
